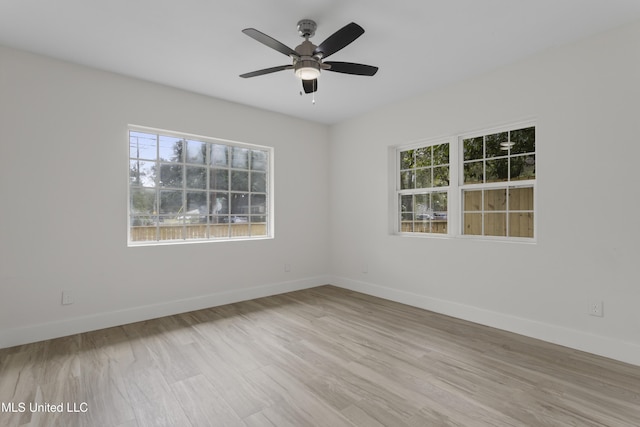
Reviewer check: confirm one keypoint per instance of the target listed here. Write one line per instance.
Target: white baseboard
(596, 344)
(39, 332)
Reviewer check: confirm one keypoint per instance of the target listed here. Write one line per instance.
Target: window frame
(495, 185)
(399, 192)
(208, 191)
(457, 187)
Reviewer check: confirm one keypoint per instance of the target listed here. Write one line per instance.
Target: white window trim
(270, 188)
(456, 188)
(397, 191)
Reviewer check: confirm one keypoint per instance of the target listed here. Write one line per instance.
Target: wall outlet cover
(596, 308)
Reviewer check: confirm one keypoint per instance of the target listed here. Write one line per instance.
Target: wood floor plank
(319, 357)
(360, 418)
(237, 392)
(301, 400)
(203, 404)
(152, 399)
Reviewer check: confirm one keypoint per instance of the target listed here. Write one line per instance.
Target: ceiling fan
(308, 59)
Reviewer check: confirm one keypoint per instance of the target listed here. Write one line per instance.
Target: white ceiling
(198, 45)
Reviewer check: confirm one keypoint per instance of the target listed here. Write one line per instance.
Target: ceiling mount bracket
(306, 28)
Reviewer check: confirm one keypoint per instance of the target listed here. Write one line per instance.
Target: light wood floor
(318, 357)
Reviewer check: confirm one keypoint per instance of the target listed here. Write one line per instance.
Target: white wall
(63, 192)
(585, 98)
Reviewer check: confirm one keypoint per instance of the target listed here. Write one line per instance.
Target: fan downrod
(307, 28)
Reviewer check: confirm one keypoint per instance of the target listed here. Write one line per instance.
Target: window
(187, 188)
(498, 182)
(485, 187)
(423, 189)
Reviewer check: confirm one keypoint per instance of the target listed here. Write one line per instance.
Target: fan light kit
(307, 58)
(307, 70)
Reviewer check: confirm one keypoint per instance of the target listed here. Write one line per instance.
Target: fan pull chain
(313, 95)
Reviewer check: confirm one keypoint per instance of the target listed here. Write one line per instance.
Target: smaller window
(423, 189)
(498, 184)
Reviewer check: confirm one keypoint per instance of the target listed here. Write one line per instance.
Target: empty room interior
(305, 213)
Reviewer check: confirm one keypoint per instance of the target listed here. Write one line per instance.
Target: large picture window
(187, 188)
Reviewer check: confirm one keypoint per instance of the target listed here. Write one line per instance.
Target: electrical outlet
(596, 308)
(365, 268)
(287, 268)
(67, 297)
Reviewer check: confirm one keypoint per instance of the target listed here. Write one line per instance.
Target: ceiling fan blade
(351, 68)
(270, 41)
(310, 86)
(266, 71)
(339, 39)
